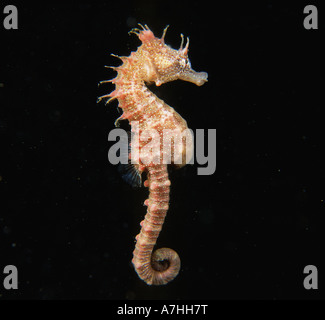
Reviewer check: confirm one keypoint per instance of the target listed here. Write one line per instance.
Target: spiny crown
(165, 64)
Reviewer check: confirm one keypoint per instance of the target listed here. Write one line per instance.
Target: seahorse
(153, 62)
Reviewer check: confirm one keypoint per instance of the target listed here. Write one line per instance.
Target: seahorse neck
(135, 99)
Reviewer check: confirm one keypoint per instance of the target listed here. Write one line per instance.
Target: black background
(68, 221)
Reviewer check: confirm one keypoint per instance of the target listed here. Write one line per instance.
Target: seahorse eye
(183, 62)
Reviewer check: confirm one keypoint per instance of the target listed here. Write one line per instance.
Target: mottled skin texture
(153, 62)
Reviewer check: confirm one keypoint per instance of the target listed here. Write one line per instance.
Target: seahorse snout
(198, 78)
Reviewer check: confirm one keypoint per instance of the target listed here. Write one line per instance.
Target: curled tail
(163, 265)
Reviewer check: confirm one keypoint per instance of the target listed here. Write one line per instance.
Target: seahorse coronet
(153, 62)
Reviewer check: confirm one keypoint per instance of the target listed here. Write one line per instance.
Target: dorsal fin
(130, 173)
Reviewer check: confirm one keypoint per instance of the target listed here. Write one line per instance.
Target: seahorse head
(164, 64)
